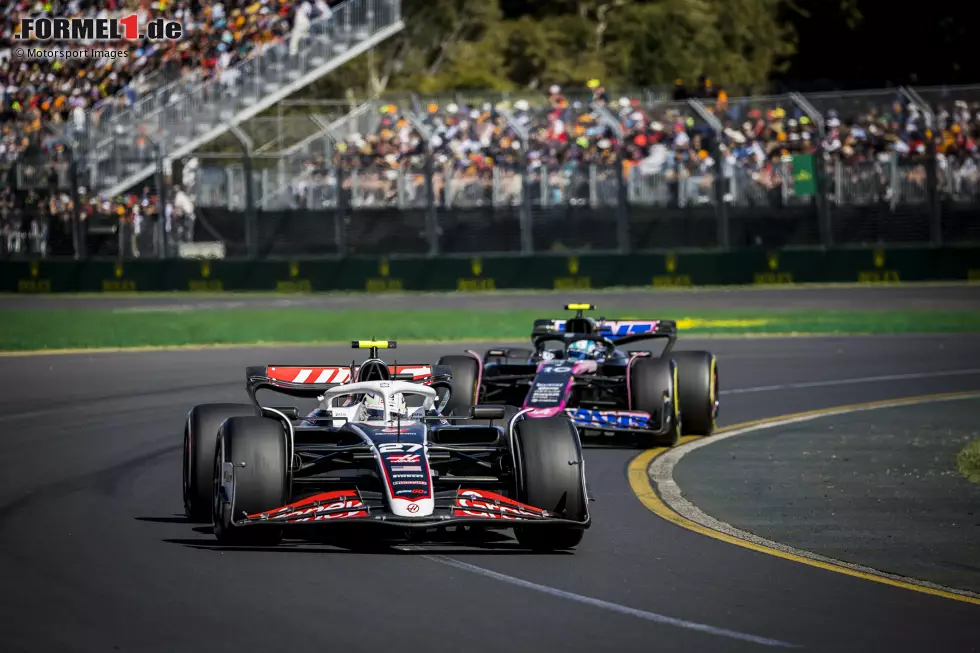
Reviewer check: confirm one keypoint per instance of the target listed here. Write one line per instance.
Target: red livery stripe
(337, 374)
(490, 505)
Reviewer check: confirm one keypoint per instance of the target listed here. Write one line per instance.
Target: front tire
(464, 385)
(257, 448)
(550, 477)
(697, 390)
(650, 378)
(200, 437)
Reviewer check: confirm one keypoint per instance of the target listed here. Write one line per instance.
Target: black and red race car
(580, 368)
(379, 452)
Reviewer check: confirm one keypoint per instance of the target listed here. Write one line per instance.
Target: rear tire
(649, 379)
(697, 390)
(200, 438)
(550, 477)
(257, 447)
(464, 390)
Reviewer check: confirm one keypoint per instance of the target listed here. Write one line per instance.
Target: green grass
(60, 329)
(968, 461)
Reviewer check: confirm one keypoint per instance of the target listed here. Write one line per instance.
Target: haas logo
(413, 507)
(404, 458)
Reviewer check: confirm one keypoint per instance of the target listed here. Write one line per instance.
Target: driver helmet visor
(583, 349)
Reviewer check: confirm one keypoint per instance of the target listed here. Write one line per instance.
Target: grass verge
(968, 461)
(22, 330)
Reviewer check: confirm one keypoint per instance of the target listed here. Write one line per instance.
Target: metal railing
(312, 185)
(864, 194)
(181, 113)
(430, 208)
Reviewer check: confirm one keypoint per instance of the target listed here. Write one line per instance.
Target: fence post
(622, 195)
(932, 190)
(160, 227)
(721, 207)
(524, 217)
(431, 218)
(340, 216)
(819, 169)
(251, 224)
(932, 171)
(159, 234)
(78, 240)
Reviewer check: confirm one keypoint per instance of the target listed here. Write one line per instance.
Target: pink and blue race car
(580, 368)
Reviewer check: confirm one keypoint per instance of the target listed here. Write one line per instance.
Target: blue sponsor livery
(611, 419)
(620, 329)
(616, 329)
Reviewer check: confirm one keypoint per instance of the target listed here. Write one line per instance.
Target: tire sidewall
(649, 378)
(200, 440)
(242, 440)
(464, 384)
(698, 391)
(533, 472)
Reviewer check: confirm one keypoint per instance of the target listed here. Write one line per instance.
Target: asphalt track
(844, 297)
(95, 555)
(842, 485)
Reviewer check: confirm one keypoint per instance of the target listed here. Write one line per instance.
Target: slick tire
(697, 390)
(465, 389)
(550, 476)
(650, 378)
(200, 438)
(257, 448)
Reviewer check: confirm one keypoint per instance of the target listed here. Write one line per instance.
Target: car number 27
(398, 447)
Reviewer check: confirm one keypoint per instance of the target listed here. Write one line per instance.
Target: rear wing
(313, 380)
(619, 331)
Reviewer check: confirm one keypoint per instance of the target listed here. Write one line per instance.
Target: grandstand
(116, 117)
(873, 143)
(92, 143)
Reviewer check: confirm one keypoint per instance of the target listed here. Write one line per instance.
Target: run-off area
(878, 488)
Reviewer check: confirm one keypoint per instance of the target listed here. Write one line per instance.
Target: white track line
(661, 473)
(865, 379)
(613, 607)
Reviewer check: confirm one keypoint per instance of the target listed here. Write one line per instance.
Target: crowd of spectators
(478, 146)
(40, 97)
(38, 210)
(44, 102)
(574, 145)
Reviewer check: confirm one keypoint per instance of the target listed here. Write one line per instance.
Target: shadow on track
(176, 519)
(379, 548)
(348, 541)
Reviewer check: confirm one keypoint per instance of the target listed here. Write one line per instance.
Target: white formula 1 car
(377, 451)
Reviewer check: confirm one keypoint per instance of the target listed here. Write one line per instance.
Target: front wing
(620, 421)
(453, 507)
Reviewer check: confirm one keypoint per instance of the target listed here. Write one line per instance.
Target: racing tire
(200, 438)
(650, 378)
(697, 390)
(551, 477)
(257, 447)
(464, 385)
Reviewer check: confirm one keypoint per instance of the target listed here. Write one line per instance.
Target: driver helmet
(373, 407)
(583, 349)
